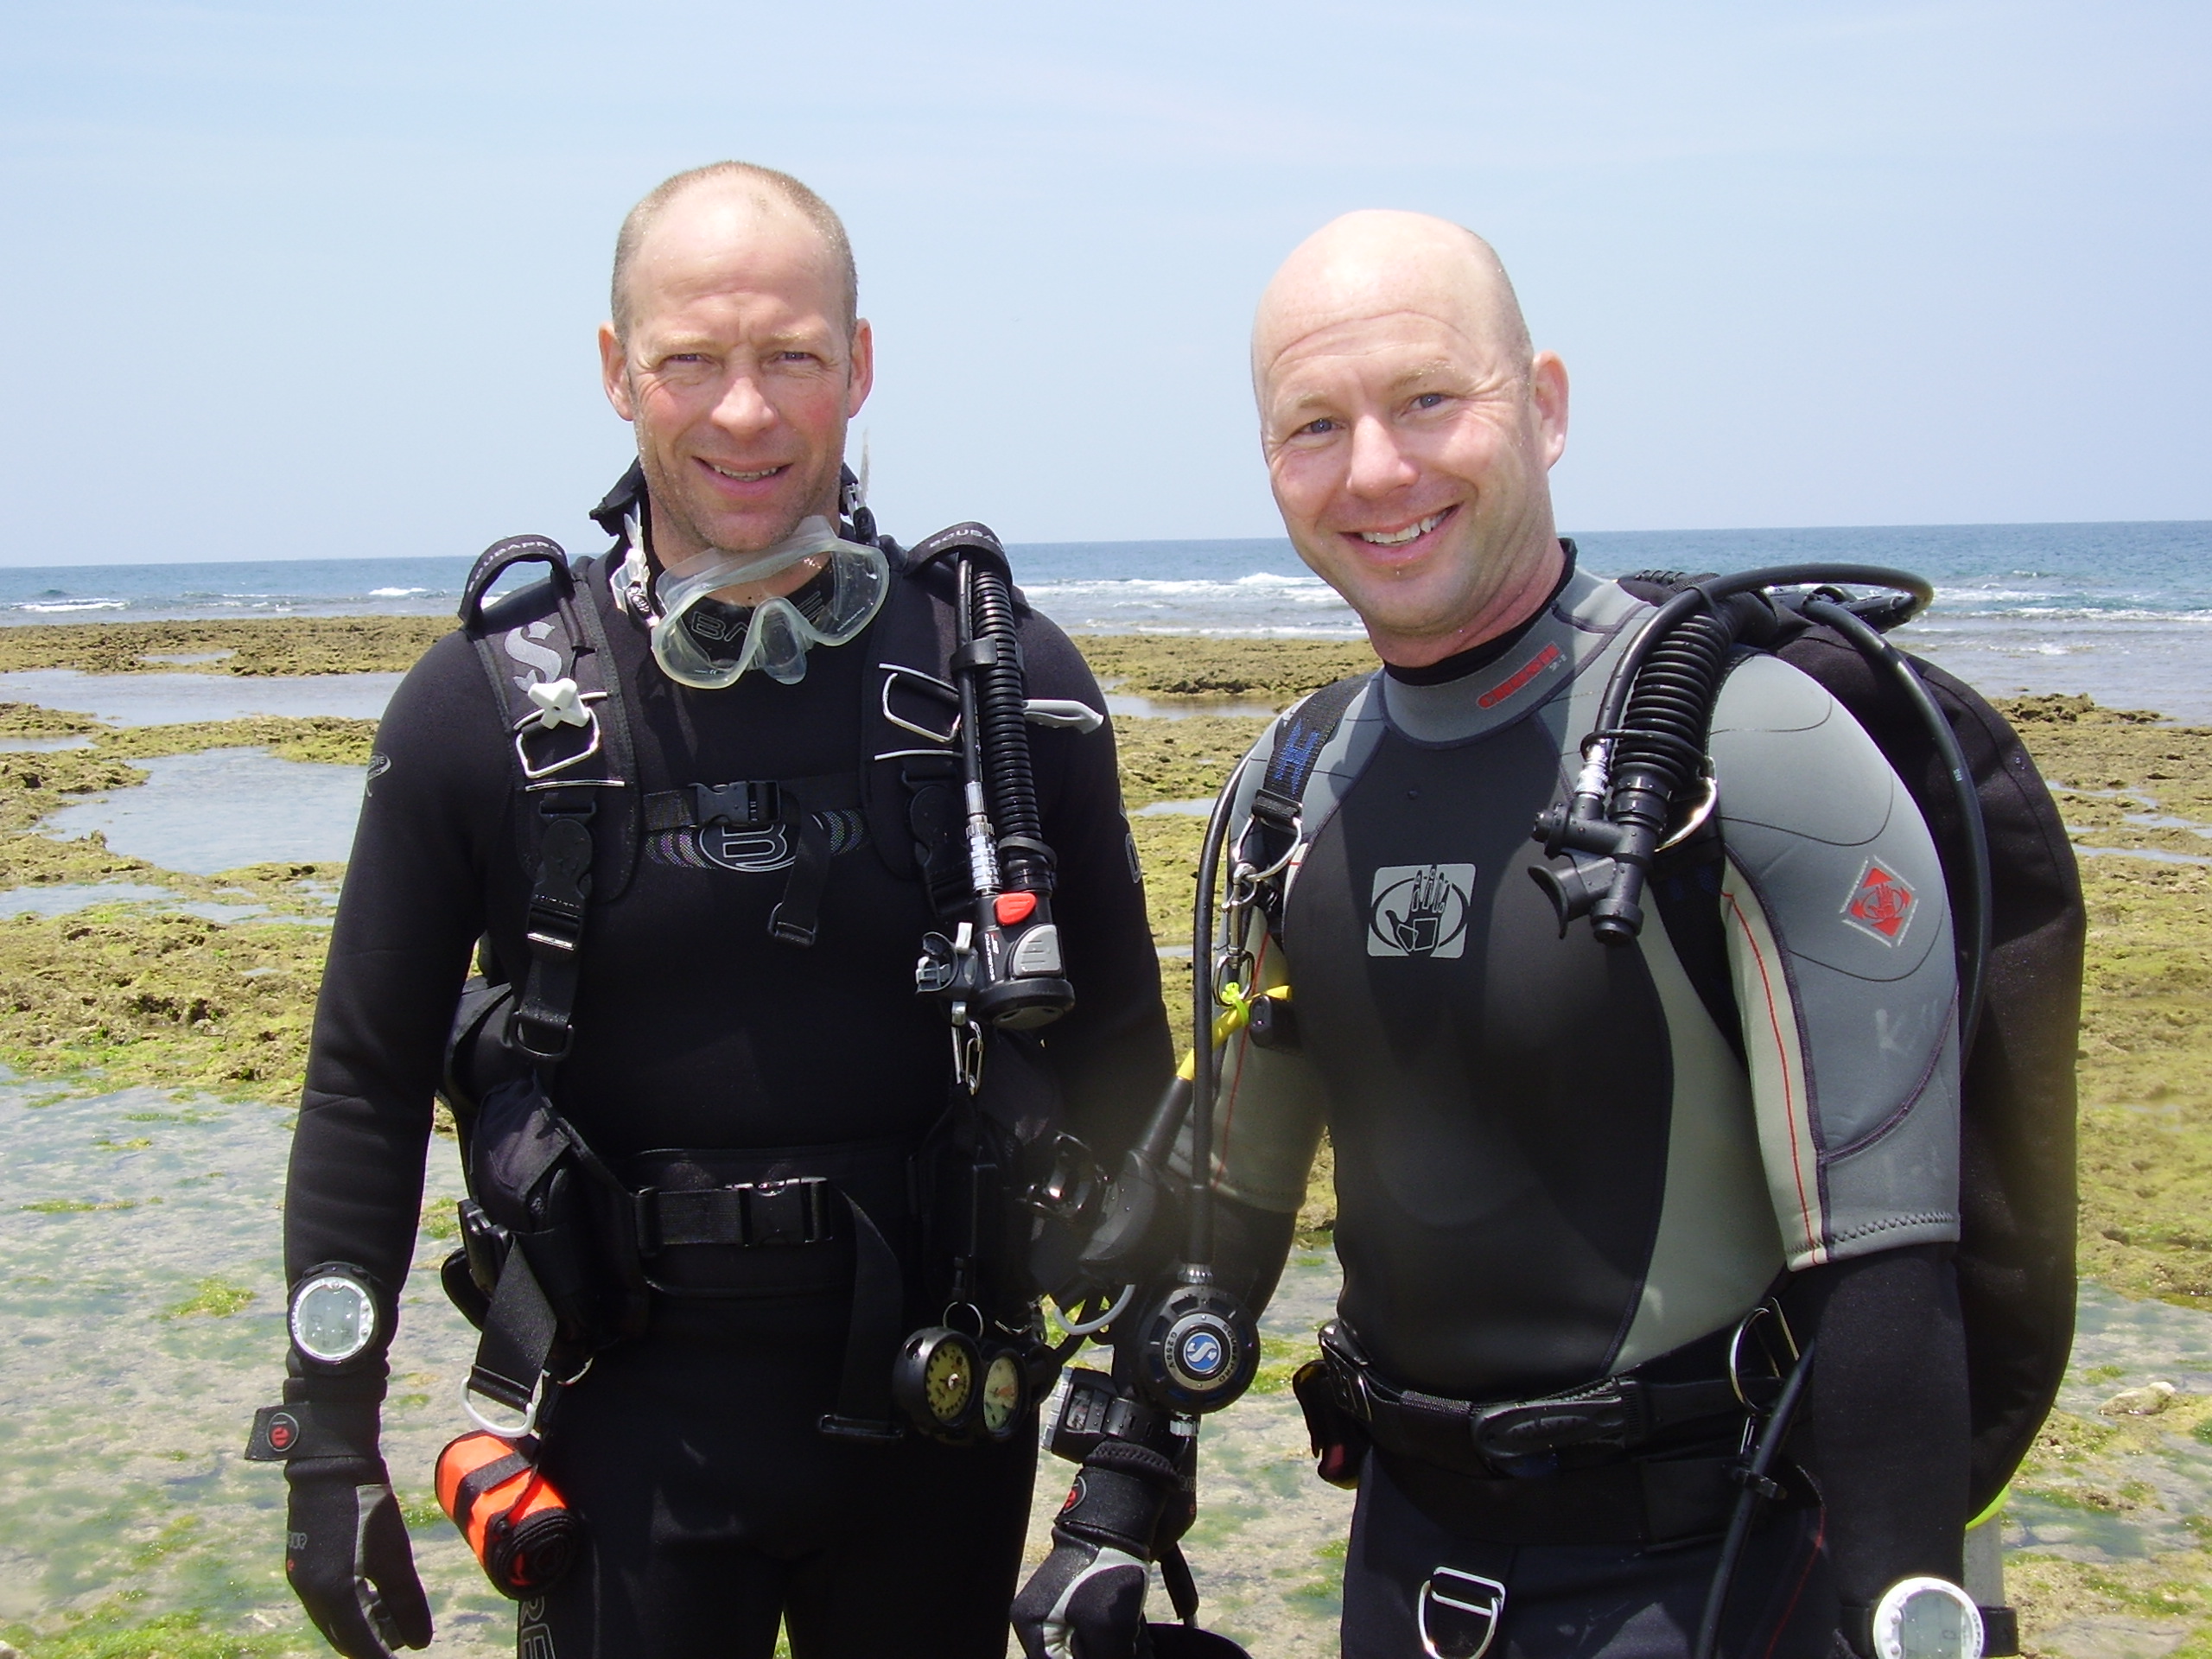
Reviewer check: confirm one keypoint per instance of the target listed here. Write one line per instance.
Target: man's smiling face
(1407, 432)
(738, 372)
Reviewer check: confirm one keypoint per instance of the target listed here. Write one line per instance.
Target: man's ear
(1548, 391)
(614, 372)
(860, 380)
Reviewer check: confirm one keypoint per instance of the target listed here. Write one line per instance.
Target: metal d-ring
(1768, 1308)
(528, 722)
(929, 685)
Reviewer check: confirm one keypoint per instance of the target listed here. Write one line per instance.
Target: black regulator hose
(1976, 926)
(1025, 862)
(1756, 1483)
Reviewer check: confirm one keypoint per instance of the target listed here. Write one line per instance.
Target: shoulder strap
(546, 655)
(1300, 735)
(909, 763)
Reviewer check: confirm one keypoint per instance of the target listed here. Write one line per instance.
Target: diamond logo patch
(1881, 903)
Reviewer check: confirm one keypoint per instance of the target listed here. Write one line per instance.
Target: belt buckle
(784, 1212)
(1347, 1373)
(1593, 1419)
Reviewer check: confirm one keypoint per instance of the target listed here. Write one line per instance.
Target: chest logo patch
(1881, 903)
(1420, 910)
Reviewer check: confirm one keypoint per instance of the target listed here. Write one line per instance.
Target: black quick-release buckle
(746, 804)
(1347, 1371)
(1532, 1427)
(750, 1215)
(787, 1212)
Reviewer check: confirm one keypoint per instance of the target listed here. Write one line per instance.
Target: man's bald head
(760, 191)
(1408, 430)
(1377, 261)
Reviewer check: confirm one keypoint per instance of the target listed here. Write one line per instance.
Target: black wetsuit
(1559, 1162)
(713, 1505)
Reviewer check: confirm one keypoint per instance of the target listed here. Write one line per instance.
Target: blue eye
(1317, 428)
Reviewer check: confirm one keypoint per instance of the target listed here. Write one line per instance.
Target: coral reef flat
(155, 1021)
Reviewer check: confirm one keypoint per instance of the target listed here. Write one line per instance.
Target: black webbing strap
(1299, 738)
(871, 1337)
(519, 1332)
(469, 1492)
(1630, 1501)
(1484, 1436)
(750, 1215)
(798, 913)
(554, 927)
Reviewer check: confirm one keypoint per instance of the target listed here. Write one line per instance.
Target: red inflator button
(1013, 907)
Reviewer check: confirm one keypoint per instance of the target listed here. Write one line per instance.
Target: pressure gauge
(333, 1316)
(1005, 1392)
(936, 1380)
(1927, 1618)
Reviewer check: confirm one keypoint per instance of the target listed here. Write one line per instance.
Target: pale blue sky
(289, 279)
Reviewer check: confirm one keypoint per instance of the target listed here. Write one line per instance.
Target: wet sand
(208, 987)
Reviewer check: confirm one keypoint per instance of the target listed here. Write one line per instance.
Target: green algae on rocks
(292, 645)
(1194, 666)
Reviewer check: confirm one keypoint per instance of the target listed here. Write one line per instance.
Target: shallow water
(173, 699)
(62, 900)
(121, 1417)
(2121, 1345)
(221, 809)
(1125, 706)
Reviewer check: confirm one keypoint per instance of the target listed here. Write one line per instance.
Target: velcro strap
(283, 1433)
(519, 1332)
(749, 1215)
(1118, 1496)
(797, 914)
(472, 1486)
(872, 1338)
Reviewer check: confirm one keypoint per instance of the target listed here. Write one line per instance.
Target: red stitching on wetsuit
(1766, 989)
(1812, 1554)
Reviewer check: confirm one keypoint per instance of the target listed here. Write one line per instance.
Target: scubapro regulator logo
(1420, 910)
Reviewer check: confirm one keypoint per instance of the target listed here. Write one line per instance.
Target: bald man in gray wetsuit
(1562, 1166)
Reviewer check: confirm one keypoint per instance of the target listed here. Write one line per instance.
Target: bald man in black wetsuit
(707, 1032)
(1565, 1168)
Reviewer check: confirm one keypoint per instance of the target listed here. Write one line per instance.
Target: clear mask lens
(714, 647)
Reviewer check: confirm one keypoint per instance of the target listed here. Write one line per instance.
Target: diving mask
(701, 641)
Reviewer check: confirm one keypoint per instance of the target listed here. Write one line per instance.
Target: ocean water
(2120, 611)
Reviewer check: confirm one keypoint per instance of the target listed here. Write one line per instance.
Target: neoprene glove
(347, 1554)
(1086, 1601)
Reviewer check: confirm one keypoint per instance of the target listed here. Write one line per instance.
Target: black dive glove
(347, 1556)
(1086, 1601)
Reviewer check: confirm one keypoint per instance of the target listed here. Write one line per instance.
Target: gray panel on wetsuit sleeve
(1268, 1108)
(1716, 1252)
(1841, 944)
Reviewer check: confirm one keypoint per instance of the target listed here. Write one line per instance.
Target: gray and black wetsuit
(1559, 1162)
(713, 1505)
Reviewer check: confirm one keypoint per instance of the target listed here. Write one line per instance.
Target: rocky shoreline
(138, 991)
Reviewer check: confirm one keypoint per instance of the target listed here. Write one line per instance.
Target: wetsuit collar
(1549, 652)
(1461, 664)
